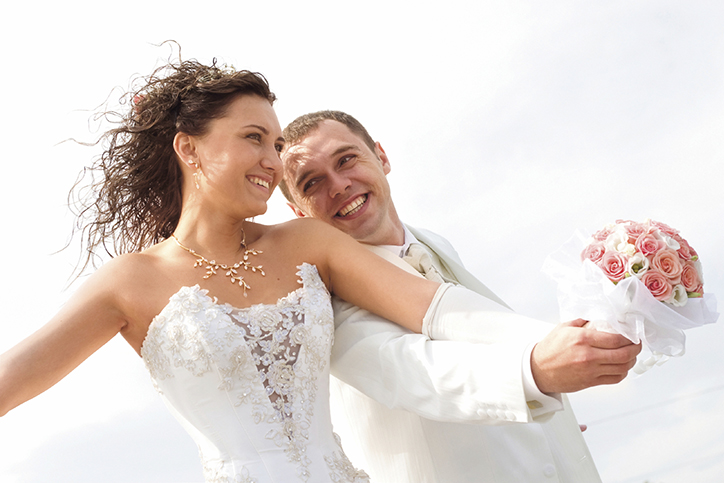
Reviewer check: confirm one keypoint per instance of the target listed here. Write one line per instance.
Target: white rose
(670, 242)
(627, 249)
(638, 264)
(700, 270)
(617, 240)
(678, 296)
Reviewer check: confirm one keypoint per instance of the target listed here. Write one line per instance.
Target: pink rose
(602, 234)
(694, 255)
(614, 265)
(657, 284)
(690, 278)
(665, 228)
(594, 252)
(635, 230)
(668, 263)
(648, 244)
(684, 248)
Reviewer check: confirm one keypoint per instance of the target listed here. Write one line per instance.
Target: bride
(232, 318)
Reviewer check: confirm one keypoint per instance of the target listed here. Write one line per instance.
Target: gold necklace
(231, 270)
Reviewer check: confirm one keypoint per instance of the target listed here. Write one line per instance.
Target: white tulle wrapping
(626, 308)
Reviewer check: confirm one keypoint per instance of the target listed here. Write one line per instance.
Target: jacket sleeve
(444, 380)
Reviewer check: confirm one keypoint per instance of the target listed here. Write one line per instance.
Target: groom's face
(334, 176)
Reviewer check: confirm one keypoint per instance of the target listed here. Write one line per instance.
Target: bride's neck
(212, 236)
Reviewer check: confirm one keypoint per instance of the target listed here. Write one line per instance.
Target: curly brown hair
(134, 197)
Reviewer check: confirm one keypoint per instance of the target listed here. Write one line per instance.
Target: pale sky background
(509, 125)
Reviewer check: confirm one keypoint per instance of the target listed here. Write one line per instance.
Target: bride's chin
(257, 210)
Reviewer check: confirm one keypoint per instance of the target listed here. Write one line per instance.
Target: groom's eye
(345, 159)
(309, 184)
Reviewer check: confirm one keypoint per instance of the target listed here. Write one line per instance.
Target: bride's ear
(183, 145)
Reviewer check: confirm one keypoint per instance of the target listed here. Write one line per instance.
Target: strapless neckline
(211, 300)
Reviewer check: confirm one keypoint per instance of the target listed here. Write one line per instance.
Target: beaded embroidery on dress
(251, 385)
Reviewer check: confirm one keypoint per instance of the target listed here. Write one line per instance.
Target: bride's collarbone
(277, 277)
(264, 286)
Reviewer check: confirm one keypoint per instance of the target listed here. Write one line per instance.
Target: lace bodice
(251, 385)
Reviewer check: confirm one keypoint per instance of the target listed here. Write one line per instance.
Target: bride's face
(239, 157)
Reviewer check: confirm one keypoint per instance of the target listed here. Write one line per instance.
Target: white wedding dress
(251, 385)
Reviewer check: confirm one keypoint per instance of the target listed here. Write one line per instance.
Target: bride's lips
(259, 181)
(353, 207)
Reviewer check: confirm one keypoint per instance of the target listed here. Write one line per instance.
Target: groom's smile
(353, 208)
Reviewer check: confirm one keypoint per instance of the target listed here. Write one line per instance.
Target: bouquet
(641, 280)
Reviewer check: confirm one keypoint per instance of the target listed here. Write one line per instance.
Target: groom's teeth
(353, 207)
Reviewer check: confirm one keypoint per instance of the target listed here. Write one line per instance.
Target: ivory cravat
(420, 259)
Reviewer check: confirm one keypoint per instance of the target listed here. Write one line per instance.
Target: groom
(418, 411)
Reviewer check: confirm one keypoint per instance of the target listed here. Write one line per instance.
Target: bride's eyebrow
(257, 126)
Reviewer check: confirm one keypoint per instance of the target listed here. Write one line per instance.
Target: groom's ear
(299, 213)
(382, 155)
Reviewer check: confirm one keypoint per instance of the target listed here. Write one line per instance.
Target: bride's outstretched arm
(85, 323)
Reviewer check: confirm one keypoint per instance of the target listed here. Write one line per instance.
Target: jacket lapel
(447, 254)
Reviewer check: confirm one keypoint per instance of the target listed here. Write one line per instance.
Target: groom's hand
(571, 358)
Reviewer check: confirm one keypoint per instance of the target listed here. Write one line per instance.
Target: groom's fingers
(604, 340)
(575, 323)
(620, 355)
(615, 372)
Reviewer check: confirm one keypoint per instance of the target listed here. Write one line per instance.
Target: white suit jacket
(410, 410)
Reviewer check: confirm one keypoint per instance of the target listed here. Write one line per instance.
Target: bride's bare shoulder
(307, 227)
(129, 269)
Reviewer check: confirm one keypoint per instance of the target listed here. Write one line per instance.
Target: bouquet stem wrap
(627, 307)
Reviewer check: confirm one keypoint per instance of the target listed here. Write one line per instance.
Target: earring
(196, 175)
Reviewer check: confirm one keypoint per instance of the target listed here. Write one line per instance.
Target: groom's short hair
(300, 128)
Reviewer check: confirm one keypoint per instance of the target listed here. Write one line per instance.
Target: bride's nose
(272, 160)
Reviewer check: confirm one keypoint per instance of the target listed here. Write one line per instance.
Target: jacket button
(549, 470)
